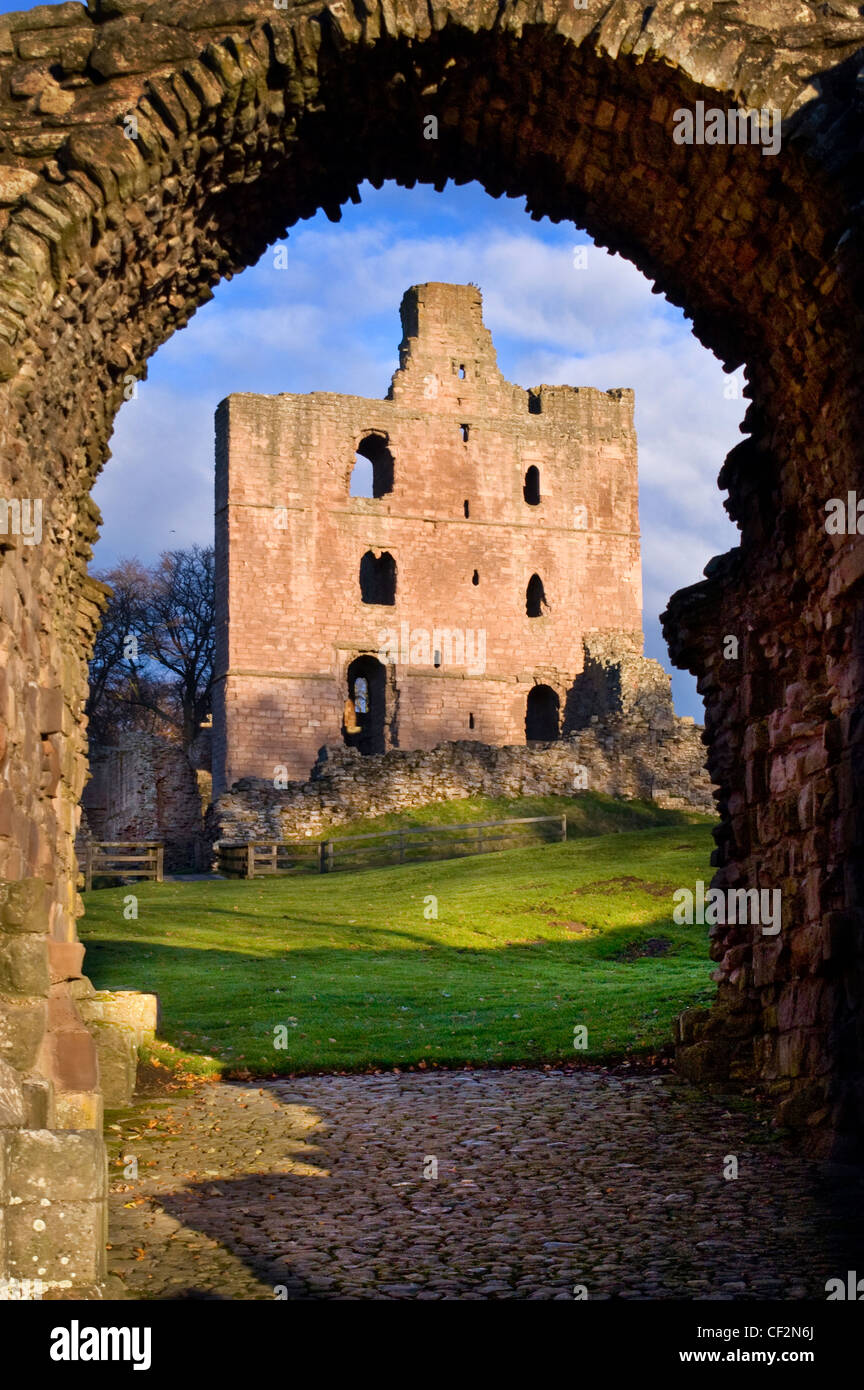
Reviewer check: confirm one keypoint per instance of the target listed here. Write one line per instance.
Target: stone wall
(146, 789)
(53, 1171)
(249, 118)
(620, 759)
(459, 649)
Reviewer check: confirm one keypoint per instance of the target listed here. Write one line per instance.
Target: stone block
(47, 17)
(24, 965)
(51, 702)
(73, 1062)
(117, 1050)
(24, 906)
(13, 1104)
(128, 48)
(703, 1061)
(58, 1165)
(80, 1110)
(15, 183)
(39, 1100)
(22, 1029)
(690, 1024)
(126, 1008)
(61, 1243)
(117, 9)
(65, 960)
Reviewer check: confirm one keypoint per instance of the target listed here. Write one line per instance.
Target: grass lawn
(527, 945)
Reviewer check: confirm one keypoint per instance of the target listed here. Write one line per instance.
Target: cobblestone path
(315, 1188)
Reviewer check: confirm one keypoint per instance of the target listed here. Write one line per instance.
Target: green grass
(527, 944)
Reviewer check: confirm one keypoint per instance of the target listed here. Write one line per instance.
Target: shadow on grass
(372, 1003)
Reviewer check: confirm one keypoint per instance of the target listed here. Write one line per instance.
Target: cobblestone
(314, 1189)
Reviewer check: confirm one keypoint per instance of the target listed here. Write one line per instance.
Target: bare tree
(115, 661)
(152, 665)
(179, 631)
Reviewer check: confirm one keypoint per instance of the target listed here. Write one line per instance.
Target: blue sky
(330, 322)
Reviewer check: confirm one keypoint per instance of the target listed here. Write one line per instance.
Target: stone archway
(144, 157)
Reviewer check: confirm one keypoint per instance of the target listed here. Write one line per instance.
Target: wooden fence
(255, 858)
(125, 858)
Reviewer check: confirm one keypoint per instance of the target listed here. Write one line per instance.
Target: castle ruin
(454, 602)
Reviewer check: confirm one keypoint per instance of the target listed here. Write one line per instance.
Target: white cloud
(330, 322)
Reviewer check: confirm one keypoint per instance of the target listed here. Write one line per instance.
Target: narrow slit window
(466, 508)
(531, 488)
(535, 598)
(464, 430)
(475, 578)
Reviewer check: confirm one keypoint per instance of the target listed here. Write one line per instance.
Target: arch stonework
(149, 150)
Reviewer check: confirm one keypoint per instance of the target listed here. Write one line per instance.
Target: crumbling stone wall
(145, 788)
(631, 745)
(249, 117)
(290, 540)
(617, 757)
(617, 682)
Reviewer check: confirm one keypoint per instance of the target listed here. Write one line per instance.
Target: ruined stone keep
(248, 118)
(452, 603)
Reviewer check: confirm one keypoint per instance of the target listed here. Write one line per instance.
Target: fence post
(564, 826)
(322, 866)
(160, 863)
(250, 861)
(479, 839)
(329, 868)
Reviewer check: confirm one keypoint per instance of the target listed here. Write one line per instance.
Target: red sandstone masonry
(290, 540)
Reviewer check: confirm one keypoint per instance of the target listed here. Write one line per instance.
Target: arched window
(535, 598)
(367, 693)
(531, 488)
(541, 715)
(372, 475)
(378, 578)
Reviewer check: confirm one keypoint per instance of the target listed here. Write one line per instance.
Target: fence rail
(254, 858)
(126, 858)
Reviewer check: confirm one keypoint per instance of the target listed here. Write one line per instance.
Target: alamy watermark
(21, 517)
(443, 646)
(715, 126)
(845, 515)
(760, 906)
(21, 1290)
